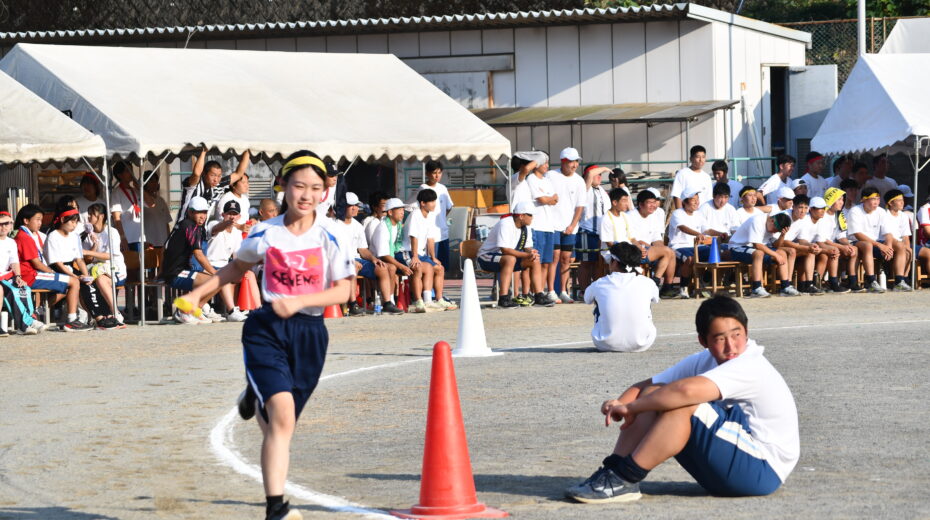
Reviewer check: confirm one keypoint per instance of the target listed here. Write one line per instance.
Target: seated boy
(826, 236)
(419, 253)
(686, 226)
(800, 237)
(367, 265)
(748, 197)
(622, 304)
(509, 248)
(184, 245)
(869, 230)
(387, 241)
(755, 243)
(718, 214)
(647, 234)
(724, 413)
(900, 228)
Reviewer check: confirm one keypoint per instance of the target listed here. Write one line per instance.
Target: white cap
(906, 190)
(524, 207)
(198, 204)
(785, 193)
(818, 202)
(541, 158)
(393, 204)
(570, 154)
(351, 199)
(798, 182)
(689, 192)
(657, 192)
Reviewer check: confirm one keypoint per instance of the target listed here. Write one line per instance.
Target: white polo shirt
(223, 245)
(801, 229)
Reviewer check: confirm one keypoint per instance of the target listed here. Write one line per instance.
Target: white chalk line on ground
(222, 445)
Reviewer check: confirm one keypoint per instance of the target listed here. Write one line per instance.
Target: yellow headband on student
(872, 196)
(896, 197)
(305, 160)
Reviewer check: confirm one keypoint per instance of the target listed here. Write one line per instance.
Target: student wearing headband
(901, 228)
(816, 183)
(870, 231)
(748, 196)
(923, 234)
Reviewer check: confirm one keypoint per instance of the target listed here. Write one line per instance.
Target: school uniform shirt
(874, 225)
(506, 234)
(723, 219)
(752, 383)
(824, 229)
(688, 178)
(387, 238)
(354, 234)
(623, 317)
(244, 206)
(816, 186)
(103, 246)
(422, 228)
(370, 224)
(183, 240)
(222, 246)
(742, 215)
(443, 205)
(28, 247)
(677, 238)
(923, 218)
(212, 195)
(753, 231)
(571, 191)
(84, 204)
(157, 222)
(735, 188)
(296, 265)
(644, 229)
(614, 228)
(801, 229)
(900, 225)
(771, 186)
(125, 200)
(545, 218)
(883, 185)
(8, 257)
(596, 205)
(63, 248)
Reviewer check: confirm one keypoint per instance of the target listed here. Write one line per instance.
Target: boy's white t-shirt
(520, 190)
(645, 229)
(382, 237)
(370, 224)
(688, 178)
(244, 206)
(126, 201)
(545, 218)
(874, 225)
(422, 228)
(354, 233)
(883, 185)
(900, 225)
(771, 187)
(824, 229)
(623, 319)
(596, 205)
(84, 205)
(735, 188)
(658, 220)
(742, 215)
(816, 186)
(572, 194)
(443, 205)
(723, 219)
(8, 255)
(614, 228)
(753, 231)
(504, 234)
(223, 245)
(752, 383)
(801, 229)
(923, 218)
(296, 265)
(103, 246)
(63, 248)
(677, 238)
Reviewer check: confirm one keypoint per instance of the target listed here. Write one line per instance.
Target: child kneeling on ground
(622, 299)
(724, 413)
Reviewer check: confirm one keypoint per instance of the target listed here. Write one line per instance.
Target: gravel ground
(116, 424)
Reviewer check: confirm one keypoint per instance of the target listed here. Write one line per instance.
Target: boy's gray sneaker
(902, 287)
(759, 292)
(876, 287)
(604, 486)
(789, 291)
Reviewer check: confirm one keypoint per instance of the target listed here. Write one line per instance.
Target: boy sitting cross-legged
(724, 413)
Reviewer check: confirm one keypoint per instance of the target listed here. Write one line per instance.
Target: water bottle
(377, 303)
(883, 279)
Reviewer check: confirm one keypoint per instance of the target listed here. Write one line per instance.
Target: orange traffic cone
(333, 311)
(447, 486)
(245, 302)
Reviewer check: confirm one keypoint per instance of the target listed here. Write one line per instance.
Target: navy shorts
(368, 268)
(404, 258)
(722, 455)
(564, 242)
(687, 252)
(184, 280)
(55, 282)
(283, 355)
(587, 246)
(744, 254)
(544, 242)
(493, 263)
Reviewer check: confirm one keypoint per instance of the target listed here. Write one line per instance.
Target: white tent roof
(883, 102)
(31, 130)
(154, 100)
(909, 35)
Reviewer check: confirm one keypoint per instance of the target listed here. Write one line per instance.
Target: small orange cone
(447, 486)
(245, 302)
(333, 311)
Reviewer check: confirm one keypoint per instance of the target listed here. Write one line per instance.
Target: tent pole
(141, 251)
(104, 181)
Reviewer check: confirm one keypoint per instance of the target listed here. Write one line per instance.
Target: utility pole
(861, 27)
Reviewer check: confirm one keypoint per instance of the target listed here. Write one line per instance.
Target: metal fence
(836, 41)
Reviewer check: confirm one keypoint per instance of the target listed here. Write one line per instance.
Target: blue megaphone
(714, 257)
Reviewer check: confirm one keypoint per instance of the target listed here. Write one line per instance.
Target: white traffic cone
(471, 341)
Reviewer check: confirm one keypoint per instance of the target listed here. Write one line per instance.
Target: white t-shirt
(677, 238)
(63, 248)
(355, 235)
(801, 229)
(771, 187)
(504, 234)
(223, 245)
(103, 246)
(883, 185)
(816, 186)
(753, 231)
(623, 317)
(157, 222)
(824, 229)
(735, 188)
(658, 220)
(572, 194)
(244, 206)
(596, 205)
(84, 204)
(296, 265)
(688, 178)
(752, 383)
(8, 255)
(545, 218)
(645, 229)
(370, 224)
(521, 190)
(126, 201)
(614, 228)
(899, 225)
(383, 236)
(874, 225)
(923, 218)
(422, 228)
(723, 219)
(742, 215)
(444, 204)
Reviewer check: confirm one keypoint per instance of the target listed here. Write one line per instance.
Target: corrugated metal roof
(592, 114)
(415, 23)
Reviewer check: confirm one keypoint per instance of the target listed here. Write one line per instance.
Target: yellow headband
(896, 197)
(305, 160)
(872, 196)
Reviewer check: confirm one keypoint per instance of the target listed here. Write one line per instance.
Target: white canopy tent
(910, 35)
(882, 106)
(156, 103)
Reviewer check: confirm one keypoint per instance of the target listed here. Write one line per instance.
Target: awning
(910, 35)
(650, 113)
(156, 101)
(883, 103)
(31, 130)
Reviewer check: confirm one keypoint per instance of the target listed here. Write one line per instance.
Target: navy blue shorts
(544, 242)
(368, 268)
(687, 252)
(283, 355)
(722, 455)
(493, 263)
(587, 246)
(184, 280)
(744, 254)
(404, 258)
(564, 242)
(55, 282)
